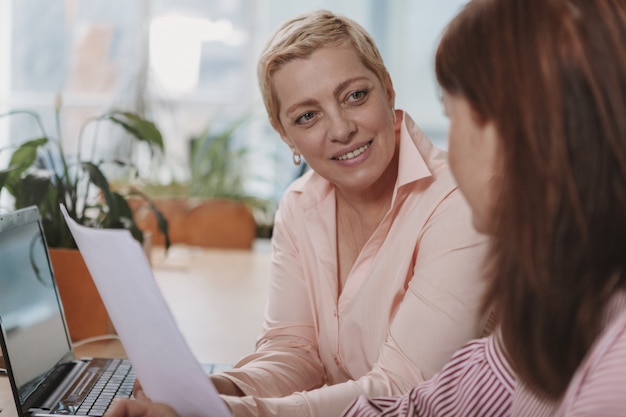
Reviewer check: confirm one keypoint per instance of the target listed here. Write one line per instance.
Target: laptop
(45, 376)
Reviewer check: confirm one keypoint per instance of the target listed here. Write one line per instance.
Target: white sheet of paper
(163, 362)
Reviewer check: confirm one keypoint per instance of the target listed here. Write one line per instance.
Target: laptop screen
(30, 311)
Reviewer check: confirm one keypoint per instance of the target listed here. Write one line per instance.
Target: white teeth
(354, 153)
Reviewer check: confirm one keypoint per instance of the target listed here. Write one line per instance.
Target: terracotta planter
(84, 310)
(211, 223)
(220, 223)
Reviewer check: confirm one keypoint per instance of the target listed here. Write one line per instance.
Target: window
(189, 64)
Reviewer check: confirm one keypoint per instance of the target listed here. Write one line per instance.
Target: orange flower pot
(85, 313)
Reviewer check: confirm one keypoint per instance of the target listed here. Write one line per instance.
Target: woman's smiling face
(338, 115)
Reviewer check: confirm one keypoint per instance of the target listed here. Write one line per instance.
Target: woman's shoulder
(599, 382)
(609, 351)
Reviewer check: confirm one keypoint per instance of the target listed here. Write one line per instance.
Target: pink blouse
(410, 301)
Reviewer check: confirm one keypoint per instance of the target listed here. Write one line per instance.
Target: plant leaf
(32, 189)
(4, 176)
(24, 157)
(98, 179)
(140, 128)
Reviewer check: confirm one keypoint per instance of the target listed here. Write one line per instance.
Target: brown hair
(299, 37)
(551, 75)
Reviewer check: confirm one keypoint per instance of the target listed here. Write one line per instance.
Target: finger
(139, 408)
(123, 407)
(137, 386)
(140, 395)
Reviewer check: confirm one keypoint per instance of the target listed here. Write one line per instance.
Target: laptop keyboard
(116, 381)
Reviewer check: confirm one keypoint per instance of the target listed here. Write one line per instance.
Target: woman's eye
(357, 95)
(306, 117)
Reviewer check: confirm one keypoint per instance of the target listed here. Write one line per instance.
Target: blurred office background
(189, 64)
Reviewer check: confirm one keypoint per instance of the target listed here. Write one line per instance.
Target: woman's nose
(340, 127)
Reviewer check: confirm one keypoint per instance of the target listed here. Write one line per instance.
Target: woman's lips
(353, 153)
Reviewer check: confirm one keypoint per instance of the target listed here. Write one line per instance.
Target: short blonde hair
(299, 37)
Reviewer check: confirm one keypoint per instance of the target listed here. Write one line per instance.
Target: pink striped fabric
(477, 382)
(598, 388)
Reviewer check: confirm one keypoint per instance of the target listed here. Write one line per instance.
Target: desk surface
(216, 296)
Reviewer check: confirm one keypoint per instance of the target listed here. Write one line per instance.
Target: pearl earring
(296, 158)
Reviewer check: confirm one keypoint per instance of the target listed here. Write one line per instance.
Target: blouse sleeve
(478, 381)
(286, 357)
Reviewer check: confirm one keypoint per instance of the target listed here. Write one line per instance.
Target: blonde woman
(376, 266)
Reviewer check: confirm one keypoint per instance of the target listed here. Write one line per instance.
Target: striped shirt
(598, 388)
(478, 381)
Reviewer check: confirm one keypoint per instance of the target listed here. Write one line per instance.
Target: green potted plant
(213, 208)
(42, 173)
(220, 169)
